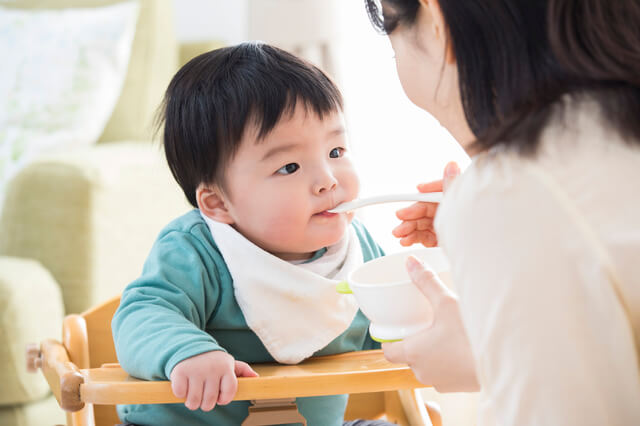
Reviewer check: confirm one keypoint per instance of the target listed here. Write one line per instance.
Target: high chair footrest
(274, 412)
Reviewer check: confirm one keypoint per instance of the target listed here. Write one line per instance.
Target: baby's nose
(327, 183)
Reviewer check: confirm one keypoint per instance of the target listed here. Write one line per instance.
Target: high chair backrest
(88, 336)
(89, 343)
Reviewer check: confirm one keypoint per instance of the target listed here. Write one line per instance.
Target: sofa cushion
(90, 216)
(30, 311)
(154, 60)
(41, 412)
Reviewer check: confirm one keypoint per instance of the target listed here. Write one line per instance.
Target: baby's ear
(212, 203)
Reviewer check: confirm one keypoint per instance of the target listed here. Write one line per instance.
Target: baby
(256, 139)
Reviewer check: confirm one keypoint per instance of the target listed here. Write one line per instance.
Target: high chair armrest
(63, 376)
(353, 372)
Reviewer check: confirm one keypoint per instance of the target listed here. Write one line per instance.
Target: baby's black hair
(215, 96)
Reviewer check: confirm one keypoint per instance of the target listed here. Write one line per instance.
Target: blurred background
(83, 185)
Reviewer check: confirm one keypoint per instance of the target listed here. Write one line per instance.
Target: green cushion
(154, 60)
(41, 412)
(90, 216)
(31, 311)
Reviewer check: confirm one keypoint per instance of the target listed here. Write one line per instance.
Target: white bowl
(386, 295)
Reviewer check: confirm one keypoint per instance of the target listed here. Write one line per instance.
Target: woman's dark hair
(517, 58)
(215, 96)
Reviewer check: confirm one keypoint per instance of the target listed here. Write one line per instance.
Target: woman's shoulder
(578, 152)
(492, 178)
(583, 173)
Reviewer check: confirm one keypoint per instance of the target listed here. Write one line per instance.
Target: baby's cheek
(351, 184)
(282, 225)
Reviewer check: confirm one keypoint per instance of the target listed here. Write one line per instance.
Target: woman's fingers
(394, 352)
(451, 172)
(428, 282)
(426, 238)
(418, 210)
(435, 186)
(407, 227)
(404, 229)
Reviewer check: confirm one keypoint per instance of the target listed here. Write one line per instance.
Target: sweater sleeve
(163, 314)
(551, 341)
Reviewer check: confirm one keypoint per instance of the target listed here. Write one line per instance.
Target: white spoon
(430, 197)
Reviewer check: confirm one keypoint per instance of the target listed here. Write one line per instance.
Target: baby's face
(278, 190)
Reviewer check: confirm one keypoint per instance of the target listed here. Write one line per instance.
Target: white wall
(212, 19)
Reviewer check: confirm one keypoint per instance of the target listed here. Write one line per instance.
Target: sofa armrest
(90, 217)
(32, 310)
(189, 50)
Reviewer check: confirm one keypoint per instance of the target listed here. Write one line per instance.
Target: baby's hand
(208, 379)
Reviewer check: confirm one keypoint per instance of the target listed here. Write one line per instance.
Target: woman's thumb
(451, 171)
(427, 281)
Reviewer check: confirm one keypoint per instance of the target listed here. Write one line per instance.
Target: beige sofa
(76, 226)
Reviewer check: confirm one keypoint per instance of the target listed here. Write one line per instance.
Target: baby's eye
(336, 153)
(288, 169)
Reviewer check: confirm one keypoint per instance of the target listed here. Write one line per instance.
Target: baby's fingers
(210, 396)
(179, 384)
(194, 394)
(242, 369)
(228, 388)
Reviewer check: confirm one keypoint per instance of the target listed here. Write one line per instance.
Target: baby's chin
(319, 238)
(334, 236)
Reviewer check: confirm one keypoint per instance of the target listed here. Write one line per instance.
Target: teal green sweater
(183, 304)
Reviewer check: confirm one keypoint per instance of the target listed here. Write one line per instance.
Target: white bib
(294, 309)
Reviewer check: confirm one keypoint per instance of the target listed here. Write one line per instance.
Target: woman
(543, 229)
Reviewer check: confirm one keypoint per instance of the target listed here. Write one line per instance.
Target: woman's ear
(438, 28)
(212, 202)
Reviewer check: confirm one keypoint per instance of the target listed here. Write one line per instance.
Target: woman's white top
(545, 255)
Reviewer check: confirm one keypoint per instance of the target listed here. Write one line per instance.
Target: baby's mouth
(327, 213)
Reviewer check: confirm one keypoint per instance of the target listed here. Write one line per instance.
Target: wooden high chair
(85, 378)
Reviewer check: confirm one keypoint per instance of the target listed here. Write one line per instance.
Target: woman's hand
(439, 356)
(417, 219)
